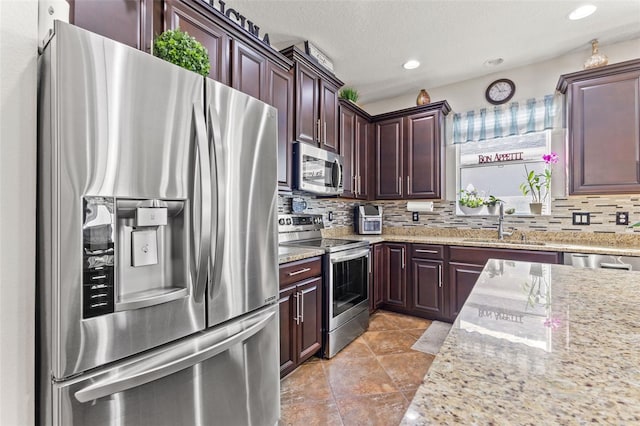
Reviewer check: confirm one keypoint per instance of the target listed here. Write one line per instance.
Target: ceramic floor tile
(403, 322)
(359, 376)
(310, 414)
(409, 394)
(356, 349)
(373, 410)
(381, 322)
(415, 333)
(307, 383)
(407, 369)
(389, 342)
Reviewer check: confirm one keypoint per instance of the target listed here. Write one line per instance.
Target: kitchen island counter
(538, 344)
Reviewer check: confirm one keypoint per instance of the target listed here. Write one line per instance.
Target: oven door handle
(348, 255)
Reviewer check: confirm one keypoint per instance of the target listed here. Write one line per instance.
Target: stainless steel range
(346, 279)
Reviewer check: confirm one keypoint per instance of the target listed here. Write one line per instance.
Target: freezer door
(227, 375)
(124, 166)
(243, 145)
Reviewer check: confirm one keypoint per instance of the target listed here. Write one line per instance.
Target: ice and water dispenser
(135, 253)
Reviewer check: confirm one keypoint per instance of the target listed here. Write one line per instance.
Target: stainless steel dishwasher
(605, 261)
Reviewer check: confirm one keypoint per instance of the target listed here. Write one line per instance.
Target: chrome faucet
(501, 231)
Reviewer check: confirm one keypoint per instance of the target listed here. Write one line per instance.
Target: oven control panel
(300, 222)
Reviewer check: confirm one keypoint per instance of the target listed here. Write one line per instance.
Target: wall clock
(500, 91)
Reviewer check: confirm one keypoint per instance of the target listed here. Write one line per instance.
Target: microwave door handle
(204, 242)
(172, 361)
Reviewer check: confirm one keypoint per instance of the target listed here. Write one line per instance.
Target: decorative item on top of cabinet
(179, 48)
(316, 118)
(355, 147)
(596, 59)
(409, 152)
(423, 98)
(603, 106)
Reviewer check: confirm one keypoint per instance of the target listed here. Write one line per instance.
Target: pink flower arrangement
(539, 185)
(551, 158)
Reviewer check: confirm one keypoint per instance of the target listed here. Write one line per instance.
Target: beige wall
(533, 80)
(18, 55)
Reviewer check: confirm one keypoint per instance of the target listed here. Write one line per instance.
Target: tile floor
(370, 382)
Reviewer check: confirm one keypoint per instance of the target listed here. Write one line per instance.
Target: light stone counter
(538, 344)
(291, 254)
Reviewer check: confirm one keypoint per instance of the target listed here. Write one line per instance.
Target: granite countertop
(538, 344)
(291, 254)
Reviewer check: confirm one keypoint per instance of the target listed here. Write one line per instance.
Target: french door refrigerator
(157, 249)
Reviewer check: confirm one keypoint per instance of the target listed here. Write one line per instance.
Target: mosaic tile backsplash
(602, 209)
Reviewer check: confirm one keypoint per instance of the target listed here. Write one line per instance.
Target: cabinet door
(427, 287)
(205, 31)
(395, 275)
(389, 154)
(128, 21)
(422, 156)
(306, 119)
(348, 151)
(604, 135)
(363, 157)
(378, 273)
(462, 278)
(248, 70)
(280, 96)
(288, 329)
(310, 328)
(328, 116)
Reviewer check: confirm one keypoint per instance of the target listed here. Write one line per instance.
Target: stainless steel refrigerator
(157, 245)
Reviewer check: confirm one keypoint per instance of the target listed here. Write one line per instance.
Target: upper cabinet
(603, 121)
(355, 147)
(316, 108)
(248, 70)
(409, 152)
(127, 21)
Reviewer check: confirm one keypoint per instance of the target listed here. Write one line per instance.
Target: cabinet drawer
(300, 270)
(427, 251)
(480, 255)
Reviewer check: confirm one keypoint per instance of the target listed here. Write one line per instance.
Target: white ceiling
(369, 40)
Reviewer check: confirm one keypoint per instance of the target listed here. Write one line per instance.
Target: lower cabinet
(300, 312)
(376, 288)
(436, 280)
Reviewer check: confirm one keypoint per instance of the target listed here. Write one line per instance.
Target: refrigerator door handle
(205, 183)
(217, 164)
(142, 373)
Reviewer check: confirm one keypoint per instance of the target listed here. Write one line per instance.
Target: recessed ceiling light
(411, 64)
(493, 62)
(582, 12)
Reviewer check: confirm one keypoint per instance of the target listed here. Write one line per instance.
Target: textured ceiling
(369, 40)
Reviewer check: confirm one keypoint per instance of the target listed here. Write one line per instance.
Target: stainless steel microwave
(316, 170)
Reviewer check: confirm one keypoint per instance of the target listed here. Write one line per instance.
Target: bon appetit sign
(500, 157)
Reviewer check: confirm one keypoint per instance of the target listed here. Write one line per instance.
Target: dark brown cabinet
(203, 29)
(462, 278)
(316, 105)
(394, 276)
(280, 95)
(127, 21)
(603, 122)
(248, 70)
(355, 148)
(409, 152)
(427, 281)
(376, 293)
(300, 312)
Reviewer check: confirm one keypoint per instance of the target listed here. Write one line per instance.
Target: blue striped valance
(515, 118)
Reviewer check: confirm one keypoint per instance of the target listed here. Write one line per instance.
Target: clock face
(500, 91)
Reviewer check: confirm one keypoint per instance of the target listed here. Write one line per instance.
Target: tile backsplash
(602, 209)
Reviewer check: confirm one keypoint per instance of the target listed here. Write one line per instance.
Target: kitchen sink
(495, 240)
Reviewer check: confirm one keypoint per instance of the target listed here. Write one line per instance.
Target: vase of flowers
(470, 201)
(492, 204)
(538, 185)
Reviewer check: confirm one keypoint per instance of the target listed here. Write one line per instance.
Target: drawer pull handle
(301, 271)
(98, 277)
(427, 251)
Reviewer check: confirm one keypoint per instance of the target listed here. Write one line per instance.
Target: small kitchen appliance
(368, 220)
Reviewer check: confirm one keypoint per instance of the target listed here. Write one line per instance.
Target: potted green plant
(492, 204)
(470, 201)
(349, 94)
(179, 48)
(538, 185)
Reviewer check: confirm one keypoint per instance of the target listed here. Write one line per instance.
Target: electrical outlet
(330, 216)
(622, 218)
(416, 216)
(580, 218)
